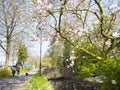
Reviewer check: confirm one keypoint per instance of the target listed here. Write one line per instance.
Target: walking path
(17, 82)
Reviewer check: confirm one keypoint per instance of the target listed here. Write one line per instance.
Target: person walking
(19, 66)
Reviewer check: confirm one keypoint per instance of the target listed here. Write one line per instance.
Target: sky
(35, 50)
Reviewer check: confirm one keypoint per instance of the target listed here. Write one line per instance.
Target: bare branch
(99, 6)
(2, 46)
(1, 34)
(87, 10)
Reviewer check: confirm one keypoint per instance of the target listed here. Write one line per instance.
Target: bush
(38, 82)
(5, 72)
(86, 70)
(110, 69)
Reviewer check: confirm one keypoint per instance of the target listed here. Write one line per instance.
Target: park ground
(17, 82)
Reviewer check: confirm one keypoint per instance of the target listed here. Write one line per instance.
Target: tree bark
(7, 53)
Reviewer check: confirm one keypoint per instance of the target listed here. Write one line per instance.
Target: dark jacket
(19, 65)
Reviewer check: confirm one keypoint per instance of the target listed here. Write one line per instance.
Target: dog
(13, 73)
(26, 74)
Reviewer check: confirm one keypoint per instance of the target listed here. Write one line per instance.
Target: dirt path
(15, 83)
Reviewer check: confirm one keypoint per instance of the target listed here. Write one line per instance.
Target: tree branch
(93, 44)
(2, 46)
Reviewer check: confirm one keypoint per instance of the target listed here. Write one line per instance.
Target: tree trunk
(7, 53)
(7, 59)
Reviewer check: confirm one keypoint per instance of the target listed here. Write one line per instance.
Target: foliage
(87, 70)
(26, 69)
(34, 60)
(66, 53)
(22, 53)
(47, 61)
(38, 82)
(58, 55)
(5, 72)
(55, 54)
(110, 69)
(85, 64)
(107, 70)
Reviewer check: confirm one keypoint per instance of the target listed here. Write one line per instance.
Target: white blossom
(114, 82)
(39, 1)
(83, 57)
(96, 22)
(71, 64)
(116, 34)
(108, 42)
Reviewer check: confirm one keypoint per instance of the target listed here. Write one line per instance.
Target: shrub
(110, 69)
(5, 72)
(38, 82)
(87, 70)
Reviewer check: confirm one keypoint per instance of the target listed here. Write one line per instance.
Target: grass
(38, 82)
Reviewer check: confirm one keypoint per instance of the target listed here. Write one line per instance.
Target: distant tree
(22, 53)
(34, 60)
(55, 54)
(47, 61)
(12, 22)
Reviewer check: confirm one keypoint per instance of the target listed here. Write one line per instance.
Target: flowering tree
(82, 22)
(91, 27)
